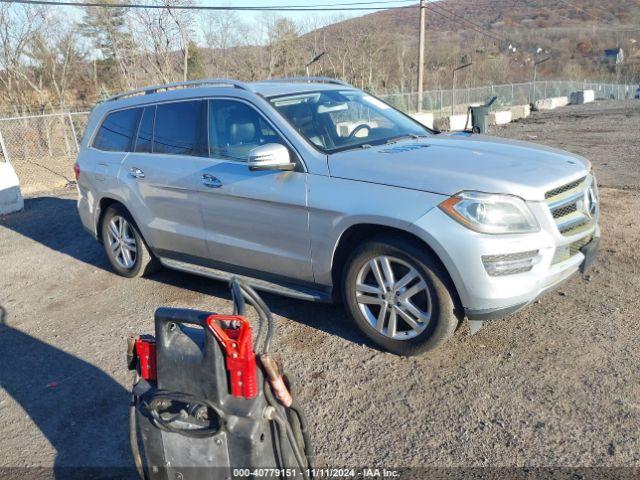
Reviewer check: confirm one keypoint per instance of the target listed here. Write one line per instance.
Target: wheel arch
(103, 204)
(356, 234)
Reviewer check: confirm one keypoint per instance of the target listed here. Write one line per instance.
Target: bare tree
(18, 25)
(55, 56)
(166, 31)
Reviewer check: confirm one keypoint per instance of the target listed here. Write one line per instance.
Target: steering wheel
(357, 129)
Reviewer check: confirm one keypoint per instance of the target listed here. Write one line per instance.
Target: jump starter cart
(206, 406)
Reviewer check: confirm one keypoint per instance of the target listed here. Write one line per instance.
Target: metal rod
(421, 55)
(5, 154)
(73, 131)
(453, 85)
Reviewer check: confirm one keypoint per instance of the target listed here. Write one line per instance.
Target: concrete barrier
(520, 111)
(452, 123)
(10, 195)
(583, 96)
(550, 103)
(424, 118)
(501, 117)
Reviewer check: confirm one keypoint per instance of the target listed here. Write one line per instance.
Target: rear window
(117, 130)
(180, 128)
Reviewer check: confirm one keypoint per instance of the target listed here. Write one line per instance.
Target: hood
(450, 163)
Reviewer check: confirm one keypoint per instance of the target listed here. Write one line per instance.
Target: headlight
(490, 213)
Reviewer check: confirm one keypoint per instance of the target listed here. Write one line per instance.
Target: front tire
(125, 248)
(399, 296)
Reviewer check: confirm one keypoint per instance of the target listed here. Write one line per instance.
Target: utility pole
(423, 26)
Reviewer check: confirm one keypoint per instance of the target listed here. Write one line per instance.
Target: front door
(256, 220)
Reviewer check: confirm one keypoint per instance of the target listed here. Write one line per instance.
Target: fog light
(510, 263)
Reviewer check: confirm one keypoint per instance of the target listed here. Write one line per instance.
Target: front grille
(569, 207)
(563, 211)
(560, 190)
(576, 228)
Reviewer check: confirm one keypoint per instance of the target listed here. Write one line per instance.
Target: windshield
(339, 120)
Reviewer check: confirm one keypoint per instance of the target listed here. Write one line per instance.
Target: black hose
(263, 312)
(285, 426)
(280, 441)
(304, 429)
(133, 439)
(238, 297)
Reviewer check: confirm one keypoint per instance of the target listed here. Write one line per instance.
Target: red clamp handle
(234, 334)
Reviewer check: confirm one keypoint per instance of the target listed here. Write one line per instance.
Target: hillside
(49, 61)
(573, 33)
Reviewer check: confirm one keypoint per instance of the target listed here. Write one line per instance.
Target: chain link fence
(43, 148)
(440, 102)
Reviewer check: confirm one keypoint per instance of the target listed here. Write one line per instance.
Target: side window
(180, 128)
(117, 130)
(235, 129)
(145, 131)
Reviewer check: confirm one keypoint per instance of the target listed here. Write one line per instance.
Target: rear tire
(414, 311)
(126, 250)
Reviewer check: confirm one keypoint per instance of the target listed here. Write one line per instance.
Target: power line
(464, 19)
(483, 32)
(280, 8)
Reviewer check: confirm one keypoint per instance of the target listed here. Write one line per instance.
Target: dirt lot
(555, 385)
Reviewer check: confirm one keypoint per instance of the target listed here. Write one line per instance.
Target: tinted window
(235, 128)
(145, 132)
(180, 128)
(117, 130)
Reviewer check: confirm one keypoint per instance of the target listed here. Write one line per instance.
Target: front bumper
(487, 297)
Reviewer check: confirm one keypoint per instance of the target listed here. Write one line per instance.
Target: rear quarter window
(118, 130)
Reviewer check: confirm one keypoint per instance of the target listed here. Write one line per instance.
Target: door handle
(211, 181)
(135, 172)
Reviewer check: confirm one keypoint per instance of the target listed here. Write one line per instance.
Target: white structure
(501, 117)
(583, 96)
(551, 103)
(453, 123)
(520, 111)
(425, 118)
(10, 196)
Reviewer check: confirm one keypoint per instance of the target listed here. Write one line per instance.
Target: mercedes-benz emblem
(589, 203)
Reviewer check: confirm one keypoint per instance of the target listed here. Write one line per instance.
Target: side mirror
(271, 156)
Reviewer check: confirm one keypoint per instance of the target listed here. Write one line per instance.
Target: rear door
(256, 220)
(110, 145)
(163, 176)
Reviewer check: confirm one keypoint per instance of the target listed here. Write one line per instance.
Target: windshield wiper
(413, 136)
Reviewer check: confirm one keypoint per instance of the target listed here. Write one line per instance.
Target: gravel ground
(554, 385)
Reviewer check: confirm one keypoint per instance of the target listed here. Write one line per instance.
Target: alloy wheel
(394, 297)
(122, 242)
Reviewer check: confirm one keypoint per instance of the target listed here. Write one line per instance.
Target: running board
(289, 290)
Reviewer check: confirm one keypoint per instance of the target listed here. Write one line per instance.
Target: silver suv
(314, 189)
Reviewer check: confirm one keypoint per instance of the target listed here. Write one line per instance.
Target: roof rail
(172, 86)
(310, 80)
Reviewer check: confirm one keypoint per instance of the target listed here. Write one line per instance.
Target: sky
(252, 16)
